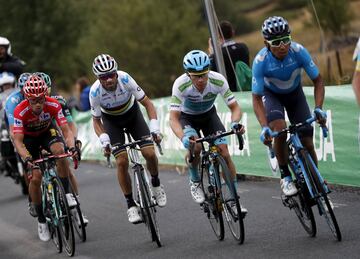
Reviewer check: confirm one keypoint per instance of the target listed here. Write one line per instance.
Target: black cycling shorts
(34, 144)
(133, 121)
(295, 105)
(208, 122)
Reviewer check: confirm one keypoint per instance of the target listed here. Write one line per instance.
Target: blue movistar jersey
(13, 99)
(282, 76)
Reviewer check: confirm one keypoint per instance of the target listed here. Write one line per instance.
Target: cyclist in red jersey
(33, 129)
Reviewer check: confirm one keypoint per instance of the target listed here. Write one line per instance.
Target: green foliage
(334, 15)
(148, 39)
(291, 4)
(44, 34)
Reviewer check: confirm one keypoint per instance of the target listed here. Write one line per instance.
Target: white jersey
(115, 102)
(187, 98)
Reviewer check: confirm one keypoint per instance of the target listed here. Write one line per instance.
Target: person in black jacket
(232, 52)
(9, 62)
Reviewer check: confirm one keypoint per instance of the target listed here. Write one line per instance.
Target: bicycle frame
(295, 147)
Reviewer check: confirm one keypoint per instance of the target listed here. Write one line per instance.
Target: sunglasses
(39, 100)
(107, 76)
(277, 42)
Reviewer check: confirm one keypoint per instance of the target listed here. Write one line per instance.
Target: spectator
(83, 89)
(232, 52)
(9, 62)
(356, 78)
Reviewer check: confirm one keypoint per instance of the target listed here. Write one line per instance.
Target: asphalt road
(272, 230)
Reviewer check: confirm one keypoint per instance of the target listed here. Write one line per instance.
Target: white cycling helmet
(104, 64)
(5, 42)
(7, 78)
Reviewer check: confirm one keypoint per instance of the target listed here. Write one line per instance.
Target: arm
(319, 91)
(175, 124)
(98, 126)
(73, 128)
(235, 112)
(19, 145)
(259, 109)
(150, 108)
(68, 135)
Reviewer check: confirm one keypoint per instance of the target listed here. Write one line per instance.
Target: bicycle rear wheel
(147, 207)
(231, 201)
(77, 218)
(212, 206)
(65, 221)
(325, 208)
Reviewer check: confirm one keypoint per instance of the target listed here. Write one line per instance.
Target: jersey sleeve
(309, 66)
(357, 68)
(94, 98)
(57, 113)
(176, 101)
(226, 93)
(258, 83)
(18, 127)
(133, 87)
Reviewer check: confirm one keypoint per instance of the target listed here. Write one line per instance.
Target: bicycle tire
(229, 196)
(79, 229)
(65, 221)
(301, 205)
(147, 208)
(328, 212)
(211, 206)
(50, 213)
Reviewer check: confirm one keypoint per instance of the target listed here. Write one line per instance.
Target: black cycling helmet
(275, 27)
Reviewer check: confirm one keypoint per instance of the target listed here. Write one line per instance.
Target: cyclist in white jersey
(114, 101)
(192, 109)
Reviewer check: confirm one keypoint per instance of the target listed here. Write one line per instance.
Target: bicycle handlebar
(55, 157)
(211, 138)
(294, 128)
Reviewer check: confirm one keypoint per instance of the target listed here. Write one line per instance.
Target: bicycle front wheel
(65, 221)
(322, 200)
(230, 200)
(148, 208)
(212, 206)
(77, 218)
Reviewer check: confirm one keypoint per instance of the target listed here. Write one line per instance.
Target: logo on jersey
(312, 64)
(18, 123)
(125, 79)
(209, 96)
(60, 114)
(95, 93)
(44, 116)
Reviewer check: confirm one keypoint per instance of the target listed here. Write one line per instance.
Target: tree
(334, 15)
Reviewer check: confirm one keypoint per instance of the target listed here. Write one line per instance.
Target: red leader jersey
(27, 123)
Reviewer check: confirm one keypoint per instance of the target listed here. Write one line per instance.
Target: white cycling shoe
(43, 232)
(196, 192)
(288, 187)
(160, 195)
(133, 214)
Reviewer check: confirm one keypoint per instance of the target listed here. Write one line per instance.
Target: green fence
(338, 154)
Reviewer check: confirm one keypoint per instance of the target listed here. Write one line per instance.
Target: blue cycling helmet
(196, 61)
(22, 79)
(275, 27)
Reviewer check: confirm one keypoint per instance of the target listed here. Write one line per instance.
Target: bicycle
(219, 189)
(312, 188)
(141, 186)
(55, 205)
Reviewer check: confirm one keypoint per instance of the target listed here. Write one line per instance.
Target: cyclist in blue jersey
(276, 87)
(192, 109)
